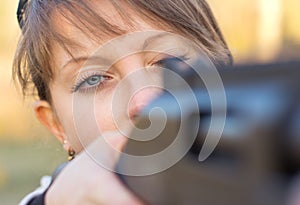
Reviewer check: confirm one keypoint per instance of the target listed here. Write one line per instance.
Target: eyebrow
(77, 60)
(152, 39)
(147, 43)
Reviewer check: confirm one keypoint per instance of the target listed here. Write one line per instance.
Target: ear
(47, 117)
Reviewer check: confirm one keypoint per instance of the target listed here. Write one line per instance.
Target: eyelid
(170, 53)
(94, 67)
(82, 77)
(159, 60)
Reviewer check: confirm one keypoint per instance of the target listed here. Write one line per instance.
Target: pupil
(93, 80)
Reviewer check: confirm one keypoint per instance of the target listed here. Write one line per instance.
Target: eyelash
(162, 61)
(84, 78)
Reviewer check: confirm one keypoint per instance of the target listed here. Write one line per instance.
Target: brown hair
(32, 63)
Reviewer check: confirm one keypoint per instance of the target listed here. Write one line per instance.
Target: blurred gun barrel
(257, 155)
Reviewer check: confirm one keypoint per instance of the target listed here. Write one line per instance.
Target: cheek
(76, 116)
(91, 116)
(64, 111)
(85, 117)
(104, 111)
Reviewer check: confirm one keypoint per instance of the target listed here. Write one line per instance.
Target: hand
(84, 181)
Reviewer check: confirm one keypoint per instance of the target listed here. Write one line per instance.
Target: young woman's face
(105, 84)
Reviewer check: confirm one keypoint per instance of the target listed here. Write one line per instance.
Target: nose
(138, 85)
(141, 99)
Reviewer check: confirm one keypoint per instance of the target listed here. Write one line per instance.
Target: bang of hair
(32, 63)
(82, 15)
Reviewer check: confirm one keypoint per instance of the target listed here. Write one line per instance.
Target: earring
(71, 152)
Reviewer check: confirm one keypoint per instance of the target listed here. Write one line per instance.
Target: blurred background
(256, 31)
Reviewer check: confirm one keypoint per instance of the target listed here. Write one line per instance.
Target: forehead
(81, 33)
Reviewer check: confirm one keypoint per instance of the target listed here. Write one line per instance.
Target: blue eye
(86, 83)
(94, 80)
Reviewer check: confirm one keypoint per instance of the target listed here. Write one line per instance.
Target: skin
(84, 181)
